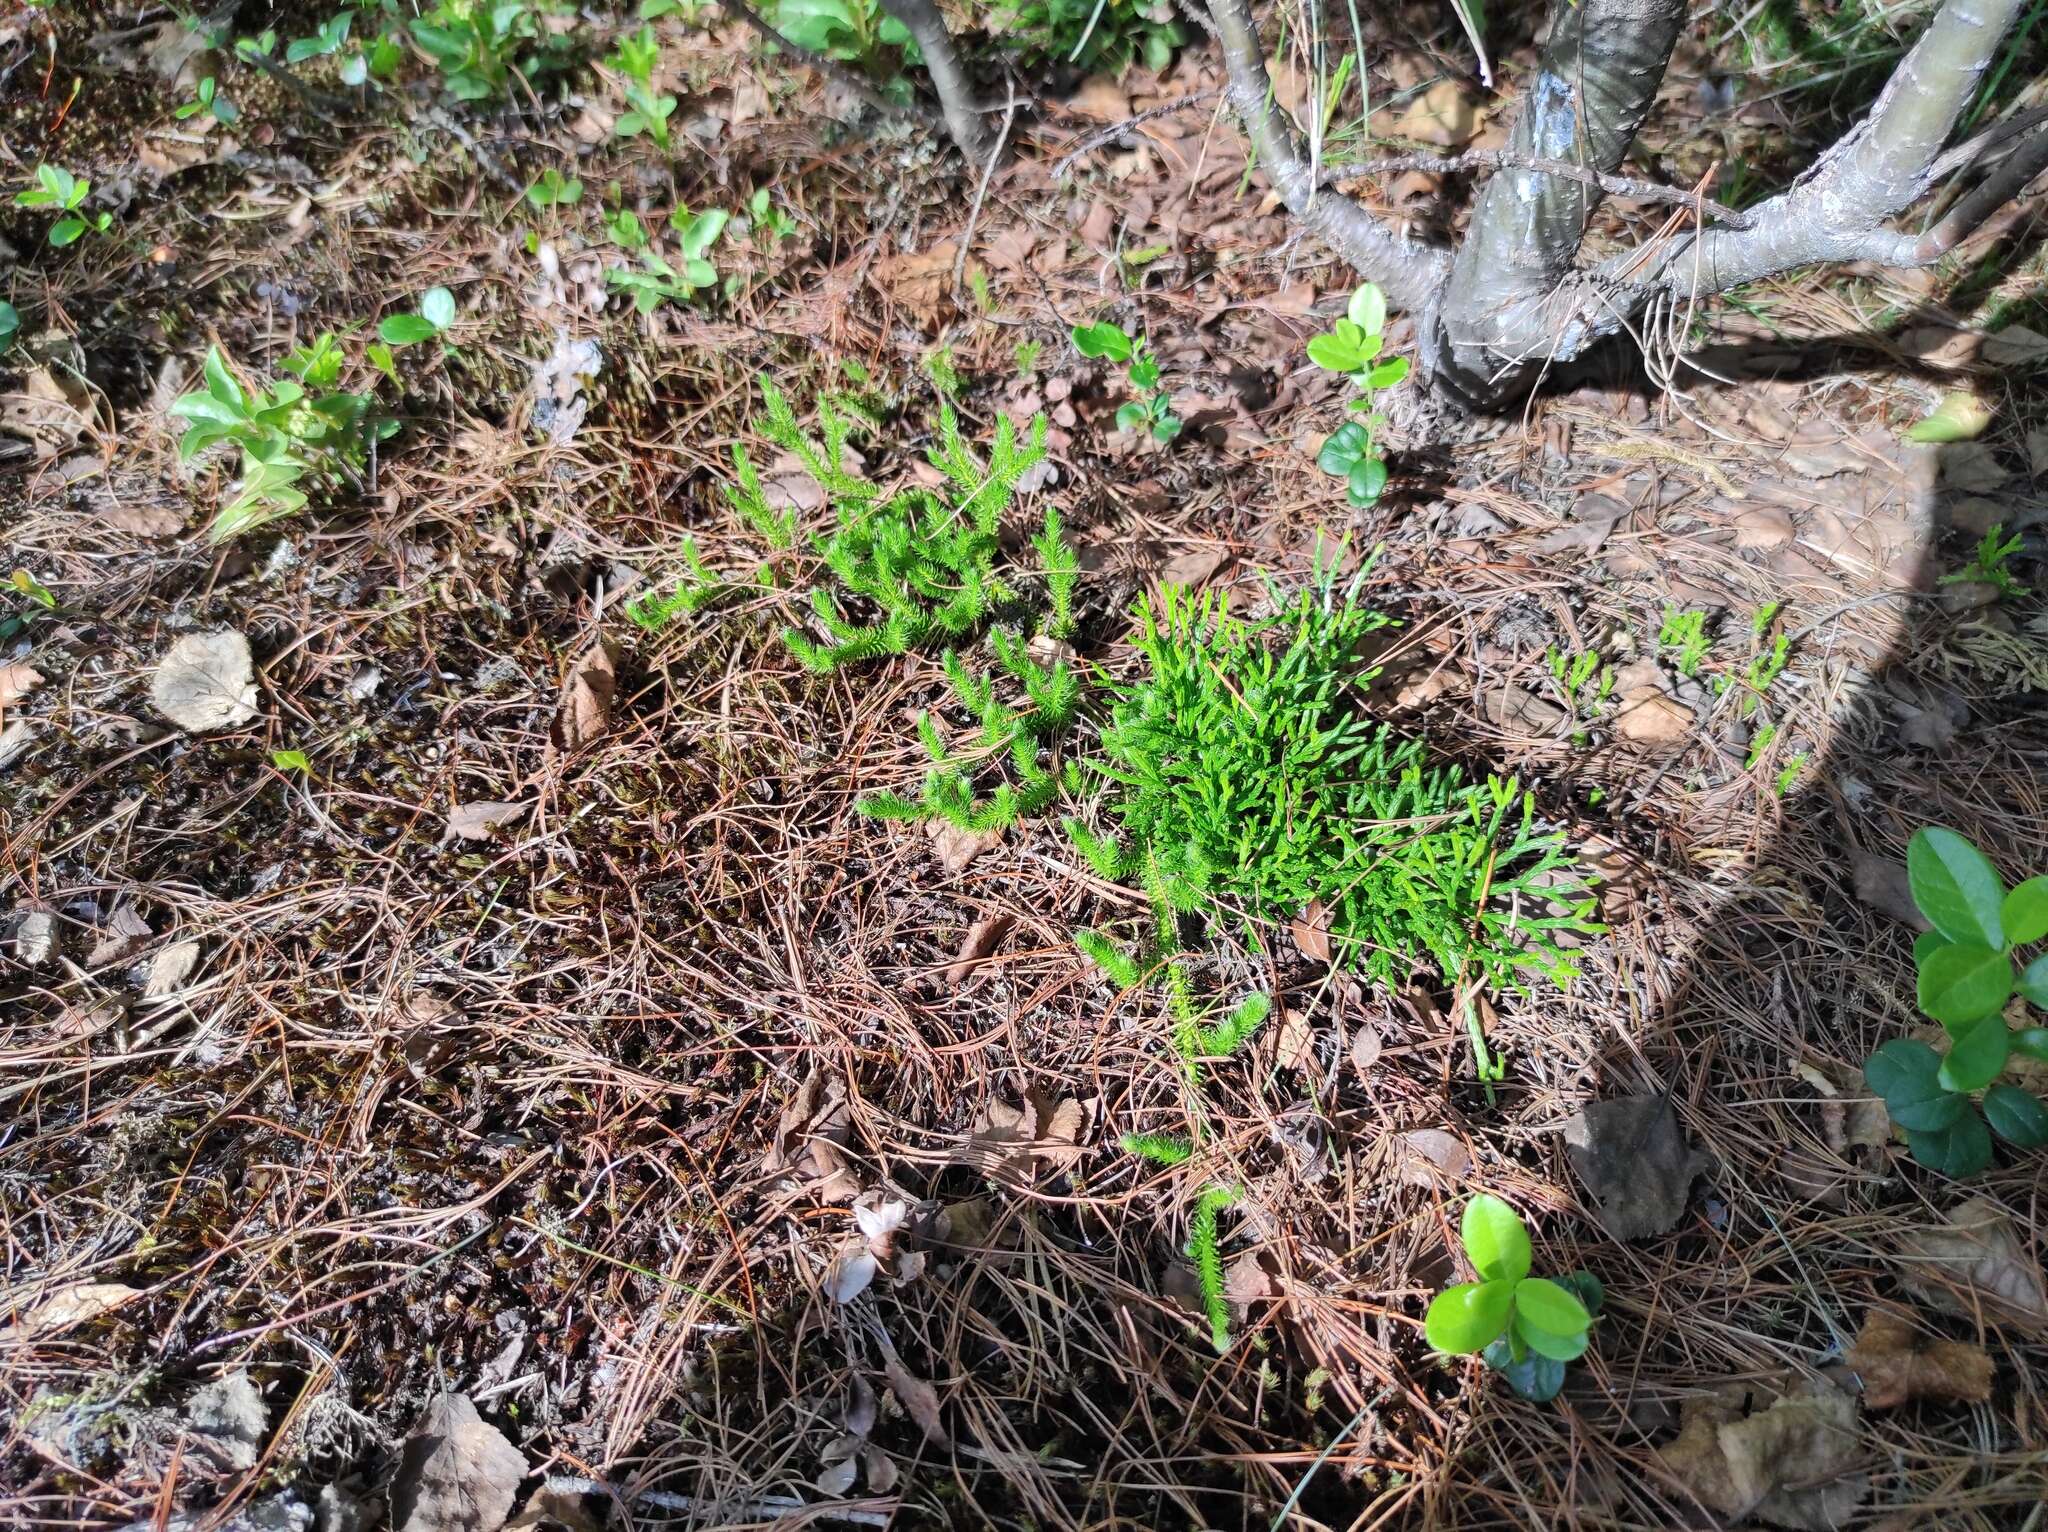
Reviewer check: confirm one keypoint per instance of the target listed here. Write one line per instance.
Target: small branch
(831, 68)
(1411, 274)
(1987, 197)
(1632, 187)
(981, 192)
(1116, 130)
(921, 19)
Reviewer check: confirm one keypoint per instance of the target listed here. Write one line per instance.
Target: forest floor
(501, 1029)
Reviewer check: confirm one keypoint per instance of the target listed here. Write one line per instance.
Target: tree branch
(1410, 274)
(921, 19)
(1631, 187)
(2003, 185)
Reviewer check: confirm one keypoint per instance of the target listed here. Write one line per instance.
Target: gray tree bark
(950, 80)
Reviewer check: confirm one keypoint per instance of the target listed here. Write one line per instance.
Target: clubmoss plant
(1242, 770)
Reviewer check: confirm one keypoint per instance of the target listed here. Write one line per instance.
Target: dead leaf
(1972, 468)
(850, 1274)
(1646, 713)
(170, 968)
(141, 520)
(920, 280)
(482, 821)
(1976, 1266)
(457, 1473)
(206, 681)
(2015, 346)
(982, 939)
(1294, 1044)
(881, 1470)
(47, 414)
(1195, 568)
(1446, 114)
(1366, 1048)
(1248, 1280)
(956, 848)
(1880, 882)
(1763, 527)
(1635, 1162)
(1509, 706)
(1311, 930)
(17, 681)
(810, 1137)
(125, 934)
(919, 1399)
(78, 1304)
(1431, 1158)
(587, 692)
(1593, 521)
(1851, 1117)
(559, 1502)
(2037, 454)
(1100, 99)
(1788, 1464)
(1898, 1365)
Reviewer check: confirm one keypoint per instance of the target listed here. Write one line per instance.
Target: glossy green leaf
(1388, 373)
(1366, 481)
(1102, 340)
(1532, 1377)
(1132, 416)
(1979, 1054)
(1466, 1318)
(1495, 1241)
(2031, 1042)
(1368, 308)
(1906, 1074)
(1585, 1287)
(2033, 982)
(1960, 1150)
(1343, 448)
(290, 760)
(1567, 1347)
(1956, 887)
(2016, 1116)
(437, 307)
(2024, 912)
(1548, 1306)
(1926, 944)
(1334, 354)
(1963, 982)
(404, 329)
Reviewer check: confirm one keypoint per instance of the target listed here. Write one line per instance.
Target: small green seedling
(299, 431)
(553, 189)
(291, 760)
(327, 40)
(658, 282)
(10, 323)
(436, 314)
(1525, 1328)
(1152, 411)
(1351, 347)
(209, 100)
(56, 187)
(36, 604)
(1990, 565)
(1968, 972)
(852, 31)
(626, 229)
(648, 110)
(1574, 675)
(1687, 633)
(769, 221)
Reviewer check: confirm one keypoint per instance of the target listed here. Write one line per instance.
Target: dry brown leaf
(2015, 346)
(46, 413)
(1311, 930)
(1431, 1158)
(1788, 1464)
(999, 1144)
(559, 1502)
(1635, 1161)
(1646, 712)
(809, 1139)
(1100, 99)
(1509, 706)
(1294, 1042)
(1898, 1365)
(17, 680)
(587, 693)
(1976, 1266)
(1195, 568)
(170, 968)
(1880, 882)
(919, 1399)
(1366, 1048)
(482, 821)
(920, 280)
(142, 520)
(206, 681)
(956, 848)
(982, 939)
(1446, 114)
(77, 1304)
(458, 1473)
(1851, 1117)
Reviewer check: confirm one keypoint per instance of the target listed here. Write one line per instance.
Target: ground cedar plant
(1970, 967)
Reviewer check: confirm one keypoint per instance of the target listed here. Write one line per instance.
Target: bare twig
(988, 172)
(1094, 140)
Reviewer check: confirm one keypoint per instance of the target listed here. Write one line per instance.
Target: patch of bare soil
(468, 1064)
